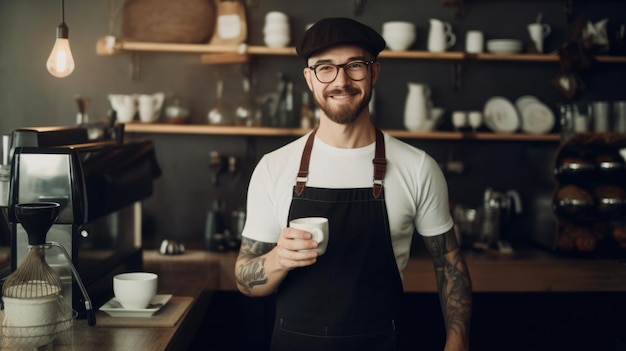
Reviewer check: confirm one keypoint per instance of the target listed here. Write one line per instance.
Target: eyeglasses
(327, 72)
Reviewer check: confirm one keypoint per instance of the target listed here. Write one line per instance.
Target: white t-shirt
(416, 192)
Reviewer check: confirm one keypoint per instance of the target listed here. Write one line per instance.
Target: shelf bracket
(135, 66)
(458, 70)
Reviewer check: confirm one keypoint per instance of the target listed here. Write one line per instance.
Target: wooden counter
(182, 278)
(199, 273)
(529, 270)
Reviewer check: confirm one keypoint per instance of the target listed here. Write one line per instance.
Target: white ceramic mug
(125, 106)
(538, 32)
(135, 290)
(474, 42)
(459, 119)
(317, 226)
(150, 107)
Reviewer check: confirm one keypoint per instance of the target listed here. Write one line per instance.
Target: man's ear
(375, 72)
(308, 75)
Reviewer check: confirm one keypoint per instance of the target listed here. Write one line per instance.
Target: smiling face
(343, 100)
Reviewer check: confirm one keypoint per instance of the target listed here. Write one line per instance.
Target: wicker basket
(180, 21)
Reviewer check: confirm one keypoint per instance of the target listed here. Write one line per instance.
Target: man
(374, 189)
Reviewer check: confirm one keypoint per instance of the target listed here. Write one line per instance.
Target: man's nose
(342, 77)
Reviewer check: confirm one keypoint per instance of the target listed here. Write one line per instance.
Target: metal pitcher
(499, 208)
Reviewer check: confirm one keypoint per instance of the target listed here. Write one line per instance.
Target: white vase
(417, 106)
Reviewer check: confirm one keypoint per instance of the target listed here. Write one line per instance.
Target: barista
(375, 190)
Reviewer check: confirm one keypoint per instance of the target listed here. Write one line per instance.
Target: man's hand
(261, 266)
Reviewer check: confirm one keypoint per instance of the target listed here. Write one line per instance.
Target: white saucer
(500, 115)
(114, 309)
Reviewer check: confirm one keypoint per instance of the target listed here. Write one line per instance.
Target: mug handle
(546, 30)
(451, 37)
(318, 234)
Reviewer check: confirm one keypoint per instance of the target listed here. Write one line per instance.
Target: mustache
(346, 91)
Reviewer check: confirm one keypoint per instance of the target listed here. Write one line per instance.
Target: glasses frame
(343, 65)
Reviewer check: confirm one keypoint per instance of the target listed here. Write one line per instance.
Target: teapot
(125, 106)
(440, 36)
(419, 115)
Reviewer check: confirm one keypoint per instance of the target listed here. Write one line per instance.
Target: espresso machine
(100, 185)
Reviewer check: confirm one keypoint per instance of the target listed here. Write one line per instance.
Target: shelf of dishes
(170, 128)
(110, 46)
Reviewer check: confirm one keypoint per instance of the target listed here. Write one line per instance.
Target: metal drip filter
(34, 278)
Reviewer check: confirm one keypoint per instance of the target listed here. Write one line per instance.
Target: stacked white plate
(504, 46)
(536, 117)
(500, 115)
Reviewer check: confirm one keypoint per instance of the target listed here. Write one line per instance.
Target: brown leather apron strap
(380, 164)
(303, 173)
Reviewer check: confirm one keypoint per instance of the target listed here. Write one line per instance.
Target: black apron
(349, 299)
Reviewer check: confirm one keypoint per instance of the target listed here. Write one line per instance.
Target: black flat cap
(336, 31)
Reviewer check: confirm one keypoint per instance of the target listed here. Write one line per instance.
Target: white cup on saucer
(134, 291)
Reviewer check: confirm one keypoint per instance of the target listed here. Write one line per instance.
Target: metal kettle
(499, 208)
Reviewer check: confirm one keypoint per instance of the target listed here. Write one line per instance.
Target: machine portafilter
(37, 218)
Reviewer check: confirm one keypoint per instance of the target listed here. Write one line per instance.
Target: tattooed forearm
(252, 274)
(253, 248)
(453, 281)
(251, 267)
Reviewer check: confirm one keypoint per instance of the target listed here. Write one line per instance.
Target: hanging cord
(62, 11)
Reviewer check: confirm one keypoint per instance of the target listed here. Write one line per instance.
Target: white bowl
(135, 290)
(504, 46)
(399, 35)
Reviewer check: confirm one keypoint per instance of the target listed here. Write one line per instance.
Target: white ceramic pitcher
(150, 106)
(417, 106)
(125, 106)
(440, 36)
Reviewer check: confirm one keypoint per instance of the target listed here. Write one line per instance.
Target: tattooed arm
(262, 266)
(455, 288)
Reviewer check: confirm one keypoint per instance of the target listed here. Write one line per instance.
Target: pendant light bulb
(61, 63)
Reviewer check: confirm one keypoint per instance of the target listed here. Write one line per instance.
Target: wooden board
(168, 316)
(167, 21)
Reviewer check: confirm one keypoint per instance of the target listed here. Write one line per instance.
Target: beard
(343, 114)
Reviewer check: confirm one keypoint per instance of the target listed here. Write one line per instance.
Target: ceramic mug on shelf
(538, 32)
(474, 42)
(150, 106)
(125, 106)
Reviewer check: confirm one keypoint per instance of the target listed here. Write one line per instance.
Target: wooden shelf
(239, 53)
(165, 128)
